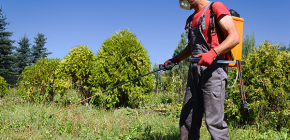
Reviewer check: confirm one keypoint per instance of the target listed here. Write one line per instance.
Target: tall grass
(25, 120)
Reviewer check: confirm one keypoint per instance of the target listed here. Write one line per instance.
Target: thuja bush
(37, 81)
(121, 58)
(3, 86)
(266, 77)
(76, 68)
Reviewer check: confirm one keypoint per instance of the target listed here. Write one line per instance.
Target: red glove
(207, 58)
(170, 63)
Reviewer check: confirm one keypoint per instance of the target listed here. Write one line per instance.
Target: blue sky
(158, 24)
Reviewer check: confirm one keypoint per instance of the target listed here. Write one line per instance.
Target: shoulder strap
(202, 17)
(214, 25)
(212, 20)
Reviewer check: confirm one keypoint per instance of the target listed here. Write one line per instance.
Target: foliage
(3, 86)
(38, 50)
(266, 77)
(121, 58)
(37, 81)
(159, 82)
(22, 54)
(76, 68)
(284, 48)
(6, 48)
(248, 44)
(180, 72)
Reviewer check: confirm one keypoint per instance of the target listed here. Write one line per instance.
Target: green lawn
(24, 120)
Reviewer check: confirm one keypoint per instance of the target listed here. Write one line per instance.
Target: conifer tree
(159, 82)
(248, 44)
(6, 48)
(122, 57)
(38, 50)
(181, 70)
(22, 54)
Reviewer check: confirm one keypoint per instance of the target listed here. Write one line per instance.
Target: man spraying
(212, 33)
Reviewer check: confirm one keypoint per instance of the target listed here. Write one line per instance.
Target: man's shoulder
(219, 9)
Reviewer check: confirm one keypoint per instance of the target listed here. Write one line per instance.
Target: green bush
(121, 58)
(37, 81)
(3, 86)
(75, 69)
(266, 77)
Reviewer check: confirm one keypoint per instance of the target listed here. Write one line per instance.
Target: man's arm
(229, 28)
(185, 53)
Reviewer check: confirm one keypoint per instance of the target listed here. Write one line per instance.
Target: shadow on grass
(148, 134)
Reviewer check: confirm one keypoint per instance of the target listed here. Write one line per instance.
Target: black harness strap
(214, 26)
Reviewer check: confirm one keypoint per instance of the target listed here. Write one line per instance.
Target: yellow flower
(258, 101)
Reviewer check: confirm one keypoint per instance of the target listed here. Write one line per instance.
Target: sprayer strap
(214, 27)
(212, 20)
(242, 84)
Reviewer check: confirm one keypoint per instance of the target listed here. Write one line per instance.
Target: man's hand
(170, 63)
(206, 58)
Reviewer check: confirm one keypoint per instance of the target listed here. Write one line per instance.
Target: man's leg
(192, 110)
(215, 81)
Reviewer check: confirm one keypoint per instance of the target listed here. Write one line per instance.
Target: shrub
(3, 86)
(121, 58)
(37, 81)
(75, 69)
(266, 77)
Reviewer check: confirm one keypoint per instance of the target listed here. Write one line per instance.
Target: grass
(24, 120)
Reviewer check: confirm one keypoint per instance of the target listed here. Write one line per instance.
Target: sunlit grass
(24, 120)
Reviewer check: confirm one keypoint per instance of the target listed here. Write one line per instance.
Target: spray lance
(161, 68)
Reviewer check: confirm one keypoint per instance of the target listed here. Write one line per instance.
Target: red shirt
(218, 9)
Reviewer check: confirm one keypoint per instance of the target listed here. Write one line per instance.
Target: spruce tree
(38, 50)
(6, 48)
(181, 70)
(248, 44)
(22, 54)
(159, 82)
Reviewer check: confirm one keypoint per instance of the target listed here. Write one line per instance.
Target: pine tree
(181, 70)
(22, 54)
(159, 82)
(38, 50)
(6, 48)
(248, 44)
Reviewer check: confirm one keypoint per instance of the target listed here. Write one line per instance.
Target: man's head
(186, 4)
(192, 4)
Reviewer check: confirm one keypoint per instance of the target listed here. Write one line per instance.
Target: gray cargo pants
(205, 94)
